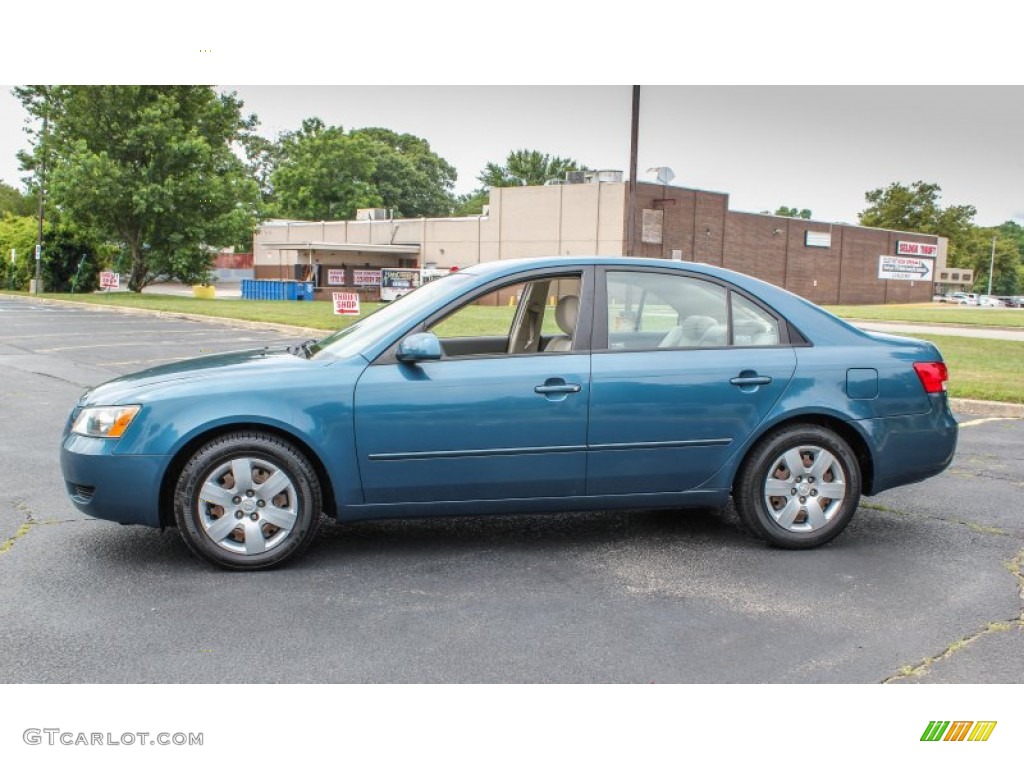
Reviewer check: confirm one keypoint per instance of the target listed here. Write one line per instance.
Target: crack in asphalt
(1016, 567)
(31, 521)
(23, 529)
(989, 529)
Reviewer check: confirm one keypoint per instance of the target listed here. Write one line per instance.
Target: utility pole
(42, 184)
(991, 265)
(633, 144)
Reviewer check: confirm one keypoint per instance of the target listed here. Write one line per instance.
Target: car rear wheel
(247, 501)
(799, 487)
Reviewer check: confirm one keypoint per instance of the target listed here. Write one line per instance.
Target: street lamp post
(633, 145)
(991, 265)
(42, 183)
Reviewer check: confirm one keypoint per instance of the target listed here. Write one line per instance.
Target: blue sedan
(537, 385)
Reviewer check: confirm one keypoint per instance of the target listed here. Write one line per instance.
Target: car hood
(211, 368)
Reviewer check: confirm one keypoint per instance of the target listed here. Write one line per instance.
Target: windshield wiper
(305, 349)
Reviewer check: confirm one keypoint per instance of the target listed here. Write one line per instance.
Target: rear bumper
(908, 449)
(125, 489)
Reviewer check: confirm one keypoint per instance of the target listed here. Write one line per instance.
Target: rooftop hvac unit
(555, 182)
(575, 177)
(371, 214)
(607, 176)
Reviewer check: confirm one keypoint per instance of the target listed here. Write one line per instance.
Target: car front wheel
(799, 487)
(247, 501)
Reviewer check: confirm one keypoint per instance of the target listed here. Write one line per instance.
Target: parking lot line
(976, 422)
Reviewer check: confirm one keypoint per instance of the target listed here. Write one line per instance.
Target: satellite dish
(663, 173)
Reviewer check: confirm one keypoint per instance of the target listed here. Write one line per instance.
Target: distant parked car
(647, 384)
(966, 299)
(990, 301)
(1013, 301)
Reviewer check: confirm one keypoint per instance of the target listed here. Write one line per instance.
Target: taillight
(933, 376)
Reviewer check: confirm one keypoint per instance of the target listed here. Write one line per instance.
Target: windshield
(358, 336)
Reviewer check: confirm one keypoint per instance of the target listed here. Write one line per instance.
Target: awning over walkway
(407, 249)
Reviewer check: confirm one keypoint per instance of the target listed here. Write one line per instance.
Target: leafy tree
(409, 178)
(803, 213)
(149, 166)
(977, 254)
(261, 158)
(324, 173)
(527, 168)
(916, 209)
(13, 201)
(71, 261)
(1014, 232)
(19, 233)
(471, 204)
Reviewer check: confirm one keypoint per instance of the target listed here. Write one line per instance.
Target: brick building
(824, 262)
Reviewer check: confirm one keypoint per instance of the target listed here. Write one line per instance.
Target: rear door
(684, 369)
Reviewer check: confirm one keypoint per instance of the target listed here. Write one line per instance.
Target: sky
(782, 109)
(816, 147)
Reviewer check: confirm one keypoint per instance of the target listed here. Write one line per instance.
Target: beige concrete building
(825, 262)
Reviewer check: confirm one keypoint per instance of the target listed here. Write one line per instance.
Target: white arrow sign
(905, 268)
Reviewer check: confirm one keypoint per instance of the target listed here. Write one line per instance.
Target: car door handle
(750, 379)
(556, 389)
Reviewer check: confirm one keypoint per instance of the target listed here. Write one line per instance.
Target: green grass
(932, 313)
(311, 314)
(982, 369)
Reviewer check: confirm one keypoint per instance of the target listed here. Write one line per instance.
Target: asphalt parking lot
(925, 585)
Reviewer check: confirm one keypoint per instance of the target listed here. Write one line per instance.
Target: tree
(410, 179)
(803, 213)
(151, 167)
(916, 209)
(977, 255)
(14, 202)
(1014, 232)
(471, 204)
(71, 261)
(323, 173)
(18, 233)
(527, 168)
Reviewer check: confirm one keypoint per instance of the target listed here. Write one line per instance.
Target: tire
(275, 510)
(781, 493)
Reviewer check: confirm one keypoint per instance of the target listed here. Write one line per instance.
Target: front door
(497, 417)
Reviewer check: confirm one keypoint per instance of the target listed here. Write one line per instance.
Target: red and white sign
(904, 248)
(365, 277)
(905, 268)
(346, 303)
(335, 276)
(110, 280)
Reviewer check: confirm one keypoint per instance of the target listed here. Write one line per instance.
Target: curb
(987, 408)
(957, 404)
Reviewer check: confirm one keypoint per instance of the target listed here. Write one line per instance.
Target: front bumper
(125, 489)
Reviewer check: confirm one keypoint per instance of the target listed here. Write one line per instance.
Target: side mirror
(419, 347)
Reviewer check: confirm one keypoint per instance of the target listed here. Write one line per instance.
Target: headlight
(105, 421)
